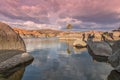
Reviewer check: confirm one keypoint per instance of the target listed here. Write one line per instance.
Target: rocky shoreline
(12, 50)
(105, 52)
(79, 38)
(104, 46)
(43, 33)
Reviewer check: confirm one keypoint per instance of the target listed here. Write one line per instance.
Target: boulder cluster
(105, 52)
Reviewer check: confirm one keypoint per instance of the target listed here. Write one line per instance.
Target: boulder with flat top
(100, 50)
(79, 43)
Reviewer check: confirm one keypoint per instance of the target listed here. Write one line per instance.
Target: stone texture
(12, 49)
(79, 43)
(6, 54)
(114, 59)
(115, 46)
(114, 75)
(15, 61)
(10, 40)
(100, 48)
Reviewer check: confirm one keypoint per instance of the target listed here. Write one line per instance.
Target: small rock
(79, 43)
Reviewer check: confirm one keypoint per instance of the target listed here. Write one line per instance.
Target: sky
(56, 14)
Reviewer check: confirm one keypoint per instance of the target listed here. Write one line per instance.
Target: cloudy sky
(56, 14)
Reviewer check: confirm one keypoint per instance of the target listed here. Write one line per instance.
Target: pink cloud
(51, 11)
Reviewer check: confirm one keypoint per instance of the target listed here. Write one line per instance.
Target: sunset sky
(56, 14)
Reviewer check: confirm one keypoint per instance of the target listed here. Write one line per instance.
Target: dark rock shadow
(114, 75)
(16, 73)
(97, 57)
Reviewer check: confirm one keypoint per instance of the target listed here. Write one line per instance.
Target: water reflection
(15, 74)
(52, 62)
(97, 57)
(114, 75)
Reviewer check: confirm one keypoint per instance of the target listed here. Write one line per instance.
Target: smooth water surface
(53, 61)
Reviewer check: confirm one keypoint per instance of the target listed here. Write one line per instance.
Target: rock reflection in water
(114, 75)
(16, 75)
(98, 58)
(52, 62)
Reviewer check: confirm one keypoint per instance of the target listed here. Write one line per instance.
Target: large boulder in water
(115, 46)
(100, 50)
(12, 50)
(9, 40)
(114, 59)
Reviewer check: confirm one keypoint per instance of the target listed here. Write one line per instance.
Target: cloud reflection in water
(53, 63)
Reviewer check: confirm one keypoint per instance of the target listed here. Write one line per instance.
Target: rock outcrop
(104, 51)
(9, 40)
(12, 49)
(100, 50)
(114, 59)
(79, 43)
(37, 33)
(14, 62)
(68, 35)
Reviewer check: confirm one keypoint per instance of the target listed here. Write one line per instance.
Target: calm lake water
(56, 60)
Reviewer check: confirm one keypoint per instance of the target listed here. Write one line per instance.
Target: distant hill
(45, 33)
(37, 33)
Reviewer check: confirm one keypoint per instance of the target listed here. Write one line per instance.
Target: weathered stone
(79, 43)
(115, 46)
(15, 61)
(12, 49)
(97, 58)
(116, 34)
(6, 54)
(9, 40)
(114, 75)
(114, 59)
(100, 48)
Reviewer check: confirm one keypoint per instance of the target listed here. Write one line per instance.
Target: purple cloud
(52, 11)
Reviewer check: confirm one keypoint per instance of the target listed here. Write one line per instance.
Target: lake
(53, 61)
